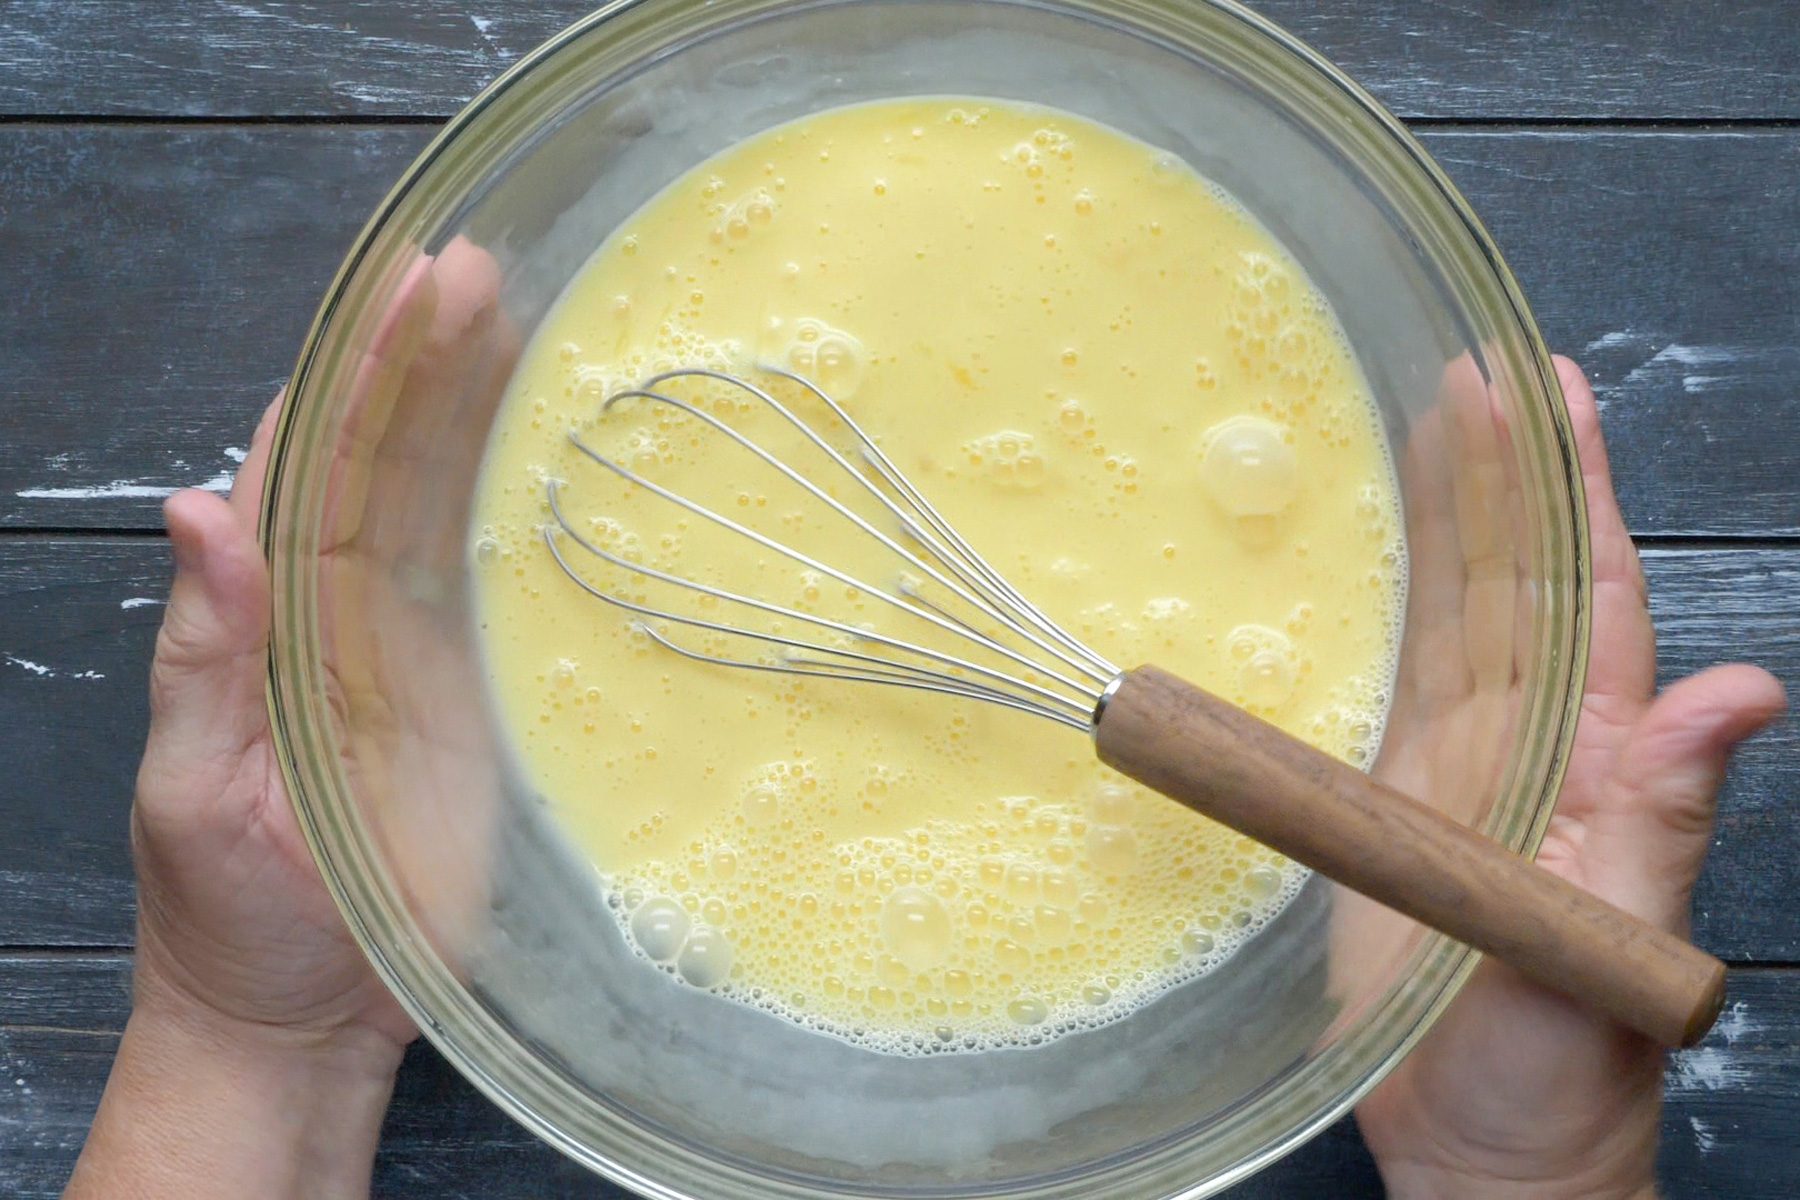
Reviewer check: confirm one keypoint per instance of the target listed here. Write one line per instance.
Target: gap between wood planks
(1499, 124)
(1644, 541)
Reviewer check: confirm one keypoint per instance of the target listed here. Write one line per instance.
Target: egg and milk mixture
(1115, 385)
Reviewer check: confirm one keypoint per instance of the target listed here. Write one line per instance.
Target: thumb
(1648, 838)
(207, 678)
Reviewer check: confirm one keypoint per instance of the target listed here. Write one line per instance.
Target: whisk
(1180, 740)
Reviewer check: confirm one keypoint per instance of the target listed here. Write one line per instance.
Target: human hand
(1519, 1091)
(235, 927)
(262, 1047)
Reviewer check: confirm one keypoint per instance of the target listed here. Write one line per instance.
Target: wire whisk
(1015, 655)
(964, 631)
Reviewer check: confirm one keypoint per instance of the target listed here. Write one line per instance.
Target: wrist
(1422, 1181)
(201, 1104)
(340, 1052)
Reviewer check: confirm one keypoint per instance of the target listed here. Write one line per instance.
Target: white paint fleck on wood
(1676, 355)
(1609, 341)
(124, 489)
(42, 672)
(1694, 369)
(1706, 1069)
(1737, 1023)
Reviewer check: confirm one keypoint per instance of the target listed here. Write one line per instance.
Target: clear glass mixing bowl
(445, 863)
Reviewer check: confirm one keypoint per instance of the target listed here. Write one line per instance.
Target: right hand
(1519, 1091)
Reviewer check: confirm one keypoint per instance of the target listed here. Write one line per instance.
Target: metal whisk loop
(999, 600)
(1043, 696)
(647, 393)
(799, 556)
(952, 550)
(1052, 675)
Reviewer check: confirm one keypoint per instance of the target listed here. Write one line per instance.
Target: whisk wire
(916, 600)
(999, 599)
(1009, 597)
(1003, 598)
(926, 681)
(1043, 695)
(1065, 689)
(806, 560)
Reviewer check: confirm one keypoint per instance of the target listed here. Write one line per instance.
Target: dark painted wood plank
(226, 58)
(218, 58)
(1495, 59)
(160, 284)
(1711, 607)
(1669, 267)
(1726, 1131)
(162, 279)
(76, 635)
(77, 625)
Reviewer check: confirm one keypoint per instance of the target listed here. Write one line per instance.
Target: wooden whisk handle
(1247, 774)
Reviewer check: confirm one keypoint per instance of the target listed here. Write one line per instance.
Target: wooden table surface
(178, 180)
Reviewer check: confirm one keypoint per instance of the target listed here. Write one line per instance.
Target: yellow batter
(1117, 386)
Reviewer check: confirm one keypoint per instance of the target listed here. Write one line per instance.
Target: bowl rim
(399, 978)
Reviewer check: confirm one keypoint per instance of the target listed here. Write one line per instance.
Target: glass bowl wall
(445, 862)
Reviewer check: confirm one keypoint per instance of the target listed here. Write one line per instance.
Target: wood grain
(159, 278)
(1711, 59)
(65, 873)
(1667, 262)
(77, 624)
(1243, 772)
(1726, 1127)
(1652, 260)
(208, 250)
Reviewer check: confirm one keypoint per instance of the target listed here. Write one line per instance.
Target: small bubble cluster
(828, 356)
(1266, 668)
(1007, 459)
(1019, 923)
(667, 934)
(736, 220)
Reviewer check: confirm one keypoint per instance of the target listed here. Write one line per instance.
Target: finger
(1615, 558)
(371, 404)
(1621, 674)
(442, 421)
(247, 486)
(1647, 838)
(1486, 533)
(1433, 670)
(469, 279)
(206, 681)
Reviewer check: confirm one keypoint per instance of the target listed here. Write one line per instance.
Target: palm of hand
(233, 916)
(1518, 1086)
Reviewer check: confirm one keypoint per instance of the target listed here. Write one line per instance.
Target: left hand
(262, 1047)
(234, 924)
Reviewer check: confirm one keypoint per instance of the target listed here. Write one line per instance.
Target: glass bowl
(492, 932)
